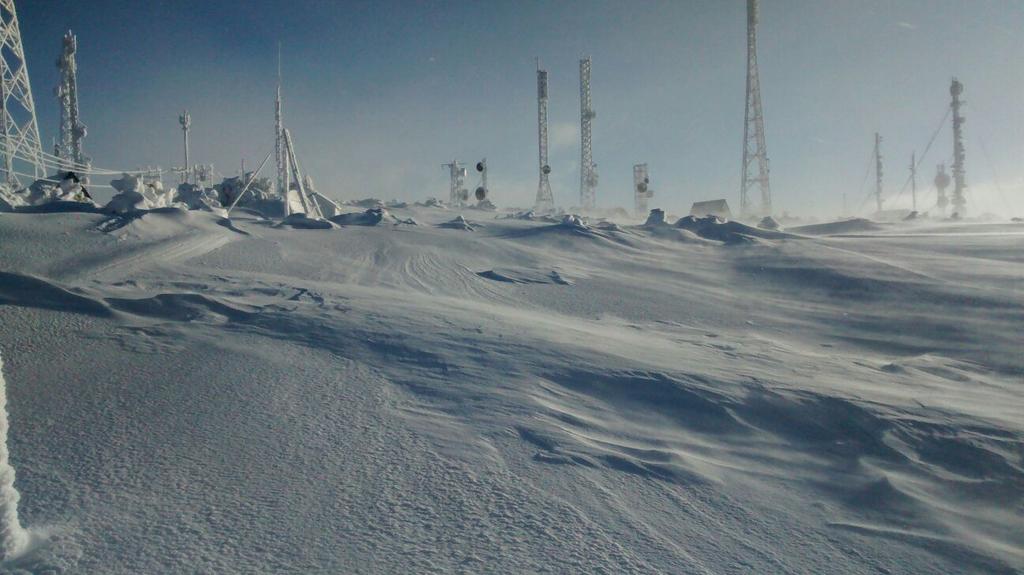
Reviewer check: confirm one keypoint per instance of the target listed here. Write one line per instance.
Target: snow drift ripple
(13, 538)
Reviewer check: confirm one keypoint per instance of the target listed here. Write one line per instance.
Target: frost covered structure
(13, 537)
(719, 208)
(134, 194)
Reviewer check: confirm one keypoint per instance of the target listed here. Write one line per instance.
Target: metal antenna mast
(753, 128)
(913, 180)
(878, 171)
(941, 183)
(280, 149)
(72, 130)
(18, 126)
(641, 189)
(186, 122)
(457, 193)
(545, 200)
(588, 170)
(959, 173)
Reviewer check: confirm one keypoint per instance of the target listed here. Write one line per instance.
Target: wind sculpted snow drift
(532, 396)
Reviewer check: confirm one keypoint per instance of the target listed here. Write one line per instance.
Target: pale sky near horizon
(379, 94)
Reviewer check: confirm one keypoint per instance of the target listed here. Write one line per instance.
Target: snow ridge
(13, 538)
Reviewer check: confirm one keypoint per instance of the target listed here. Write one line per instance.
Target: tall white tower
(280, 147)
(545, 200)
(588, 170)
(72, 130)
(753, 127)
(19, 131)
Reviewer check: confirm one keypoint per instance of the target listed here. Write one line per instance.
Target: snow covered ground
(192, 395)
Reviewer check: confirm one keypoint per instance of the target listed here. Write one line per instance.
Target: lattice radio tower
(878, 171)
(588, 170)
(545, 200)
(72, 130)
(18, 127)
(959, 172)
(753, 128)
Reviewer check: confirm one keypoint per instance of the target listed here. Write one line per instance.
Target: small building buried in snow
(718, 208)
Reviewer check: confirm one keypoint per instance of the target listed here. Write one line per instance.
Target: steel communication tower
(588, 170)
(753, 129)
(878, 171)
(18, 127)
(545, 200)
(72, 130)
(959, 174)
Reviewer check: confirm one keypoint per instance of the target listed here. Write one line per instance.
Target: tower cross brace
(19, 130)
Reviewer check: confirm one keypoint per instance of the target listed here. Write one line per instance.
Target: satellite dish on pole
(546, 169)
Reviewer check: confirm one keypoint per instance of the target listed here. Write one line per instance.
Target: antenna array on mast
(641, 189)
(72, 130)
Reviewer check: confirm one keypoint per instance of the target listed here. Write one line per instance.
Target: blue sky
(379, 94)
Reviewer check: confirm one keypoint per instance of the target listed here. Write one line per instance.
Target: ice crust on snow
(534, 396)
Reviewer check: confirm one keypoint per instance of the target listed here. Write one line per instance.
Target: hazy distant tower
(753, 129)
(878, 171)
(641, 189)
(72, 130)
(941, 183)
(18, 128)
(545, 201)
(457, 192)
(959, 173)
(913, 181)
(588, 170)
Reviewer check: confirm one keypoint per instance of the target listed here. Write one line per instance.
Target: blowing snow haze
(567, 287)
